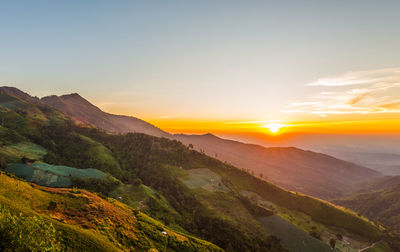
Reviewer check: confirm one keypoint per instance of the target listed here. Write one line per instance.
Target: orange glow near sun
(279, 129)
(274, 127)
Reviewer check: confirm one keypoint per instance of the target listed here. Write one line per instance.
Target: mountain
(308, 172)
(183, 190)
(386, 163)
(377, 184)
(35, 133)
(11, 93)
(83, 112)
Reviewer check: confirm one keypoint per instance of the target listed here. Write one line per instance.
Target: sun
(274, 127)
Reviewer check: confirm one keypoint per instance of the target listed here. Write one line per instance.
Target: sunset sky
(214, 66)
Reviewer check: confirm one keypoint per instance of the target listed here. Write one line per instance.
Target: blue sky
(249, 60)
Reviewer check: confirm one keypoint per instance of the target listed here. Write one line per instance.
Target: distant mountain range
(183, 188)
(386, 163)
(308, 172)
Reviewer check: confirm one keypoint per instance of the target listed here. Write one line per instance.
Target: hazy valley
(145, 192)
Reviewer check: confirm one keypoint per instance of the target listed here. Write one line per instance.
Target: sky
(219, 66)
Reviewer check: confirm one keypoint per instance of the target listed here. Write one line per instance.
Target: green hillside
(46, 219)
(188, 191)
(157, 150)
(381, 205)
(293, 238)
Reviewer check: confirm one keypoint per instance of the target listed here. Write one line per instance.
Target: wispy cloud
(363, 92)
(356, 78)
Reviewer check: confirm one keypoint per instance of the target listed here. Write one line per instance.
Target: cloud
(358, 78)
(391, 105)
(363, 92)
(358, 98)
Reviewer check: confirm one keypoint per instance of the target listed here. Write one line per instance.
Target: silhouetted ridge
(85, 113)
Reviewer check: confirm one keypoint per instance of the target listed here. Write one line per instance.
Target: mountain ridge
(84, 112)
(309, 172)
(222, 217)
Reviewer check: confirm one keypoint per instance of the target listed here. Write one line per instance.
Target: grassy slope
(87, 222)
(292, 237)
(308, 172)
(148, 201)
(137, 155)
(379, 200)
(237, 180)
(14, 152)
(151, 159)
(320, 211)
(382, 206)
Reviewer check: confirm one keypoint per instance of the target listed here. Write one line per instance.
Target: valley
(190, 193)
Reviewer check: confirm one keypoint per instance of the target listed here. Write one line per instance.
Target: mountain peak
(84, 112)
(70, 99)
(73, 95)
(15, 92)
(210, 135)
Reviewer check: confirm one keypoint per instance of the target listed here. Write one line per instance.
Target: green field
(204, 178)
(52, 175)
(14, 152)
(292, 237)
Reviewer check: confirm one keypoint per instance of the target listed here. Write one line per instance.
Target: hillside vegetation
(175, 205)
(188, 191)
(308, 172)
(380, 202)
(78, 219)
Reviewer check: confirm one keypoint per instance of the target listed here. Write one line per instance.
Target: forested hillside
(187, 191)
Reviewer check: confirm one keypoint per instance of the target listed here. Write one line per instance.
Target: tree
(332, 242)
(2, 162)
(190, 146)
(261, 175)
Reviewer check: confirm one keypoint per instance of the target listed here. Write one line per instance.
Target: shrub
(52, 205)
(332, 242)
(23, 233)
(104, 186)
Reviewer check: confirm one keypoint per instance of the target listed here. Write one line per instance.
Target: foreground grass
(79, 220)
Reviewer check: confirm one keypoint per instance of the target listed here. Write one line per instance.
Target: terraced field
(292, 237)
(14, 152)
(204, 178)
(52, 175)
